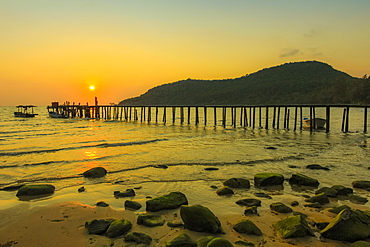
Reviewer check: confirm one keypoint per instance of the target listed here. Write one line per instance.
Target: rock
(118, 228)
(12, 187)
(317, 167)
(81, 189)
(313, 205)
(161, 166)
(96, 172)
(98, 226)
(247, 227)
(36, 190)
(138, 237)
(251, 211)
(175, 224)
(300, 213)
(349, 225)
(292, 227)
(337, 210)
(237, 183)
(273, 148)
(127, 193)
(330, 192)
(183, 240)
(219, 242)
(225, 191)
(132, 205)
(200, 219)
(358, 199)
(102, 204)
(249, 202)
(320, 198)
(263, 195)
(361, 184)
(150, 220)
(280, 208)
(360, 244)
(342, 191)
(203, 242)
(292, 166)
(294, 203)
(244, 243)
(268, 179)
(170, 201)
(210, 169)
(301, 179)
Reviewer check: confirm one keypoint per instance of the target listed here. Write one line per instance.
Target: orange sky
(54, 50)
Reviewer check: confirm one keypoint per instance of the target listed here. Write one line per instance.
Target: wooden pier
(288, 117)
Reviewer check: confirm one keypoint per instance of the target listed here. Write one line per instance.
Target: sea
(174, 156)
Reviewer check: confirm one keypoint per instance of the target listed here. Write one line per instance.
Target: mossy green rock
(249, 202)
(349, 225)
(225, 191)
(170, 201)
(96, 172)
(183, 240)
(280, 208)
(200, 219)
(293, 227)
(320, 198)
(219, 242)
(330, 192)
(268, 179)
(98, 226)
(342, 190)
(358, 199)
(138, 237)
(203, 242)
(238, 183)
(150, 220)
(337, 210)
(361, 184)
(301, 179)
(36, 190)
(247, 227)
(360, 244)
(118, 228)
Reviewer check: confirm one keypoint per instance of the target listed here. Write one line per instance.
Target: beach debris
(170, 201)
(249, 202)
(251, 211)
(330, 192)
(293, 227)
(98, 226)
(199, 218)
(36, 190)
(118, 228)
(102, 204)
(300, 179)
(225, 191)
(96, 172)
(338, 209)
(211, 169)
(150, 220)
(127, 193)
(280, 208)
(342, 190)
(268, 179)
(237, 183)
(132, 205)
(138, 237)
(181, 240)
(358, 199)
(317, 167)
(320, 198)
(81, 189)
(349, 225)
(361, 184)
(248, 227)
(219, 242)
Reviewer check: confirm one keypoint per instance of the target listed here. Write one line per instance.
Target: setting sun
(92, 88)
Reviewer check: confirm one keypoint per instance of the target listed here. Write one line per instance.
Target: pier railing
(253, 116)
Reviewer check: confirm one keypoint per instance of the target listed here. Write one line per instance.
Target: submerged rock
(150, 220)
(247, 227)
(237, 183)
(170, 201)
(280, 208)
(317, 167)
(361, 184)
(292, 227)
(225, 191)
(183, 240)
(200, 219)
(140, 238)
(330, 192)
(127, 193)
(249, 202)
(118, 228)
(358, 199)
(268, 179)
(96, 172)
(349, 225)
(301, 179)
(320, 198)
(342, 191)
(36, 190)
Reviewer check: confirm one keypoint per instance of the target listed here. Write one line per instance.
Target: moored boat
(317, 123)
(23, 111)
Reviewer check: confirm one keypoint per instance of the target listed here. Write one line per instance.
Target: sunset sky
(54, 50)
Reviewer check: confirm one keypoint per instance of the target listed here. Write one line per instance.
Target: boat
(54, 114)
(318, 123)
(23, 111)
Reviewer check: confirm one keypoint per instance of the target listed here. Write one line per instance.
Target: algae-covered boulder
(138, 237)
(118, 228)
(293, 227)
(170, 201)
(358, 199)
(183, 240)
(238, 183)
(320, 198)
(225, 191)
(268, 179)
(280, 208)
(330, 192)
(150, 220)
(249, 202)
(300, 179)
(98, 226)
(247, 227)
(36, 190)
(200, 219)
(349, 225)
(203, 242)
(361, 184)
(96, 172)
(219, 242)
(342, 190)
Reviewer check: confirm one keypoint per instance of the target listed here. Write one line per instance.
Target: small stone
(268, 179)
(118, 228)
(330, 192)
(36, 190)
(361, 184)
(96, 172)
(342, 191)
(301, 179)
(263, 195)
(251, 211)
(244, 243)
(317, 167)
(237, 183)
(280, 208)
(140, 238)
(294, 203)
(150, 220)
(98, 226)
(225, 191)
(181, 240)
(169, 201)
(81, 189)
(127, 193)
(358, 199)
(313, 205)
(320, 198)
(102, 204)
(211, 169)
(175, 224)
(271, 148)
(247, 227)
(249, 202)
(132, 205)
(161, 166)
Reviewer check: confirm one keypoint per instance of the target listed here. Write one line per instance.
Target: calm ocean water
(57, 151)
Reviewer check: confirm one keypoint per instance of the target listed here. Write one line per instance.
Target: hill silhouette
(309, 82)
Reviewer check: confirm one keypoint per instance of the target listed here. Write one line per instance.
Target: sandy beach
(59, 219)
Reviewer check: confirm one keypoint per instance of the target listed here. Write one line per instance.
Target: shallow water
(57, 151)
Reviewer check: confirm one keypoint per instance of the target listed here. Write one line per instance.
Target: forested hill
(292, 83)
